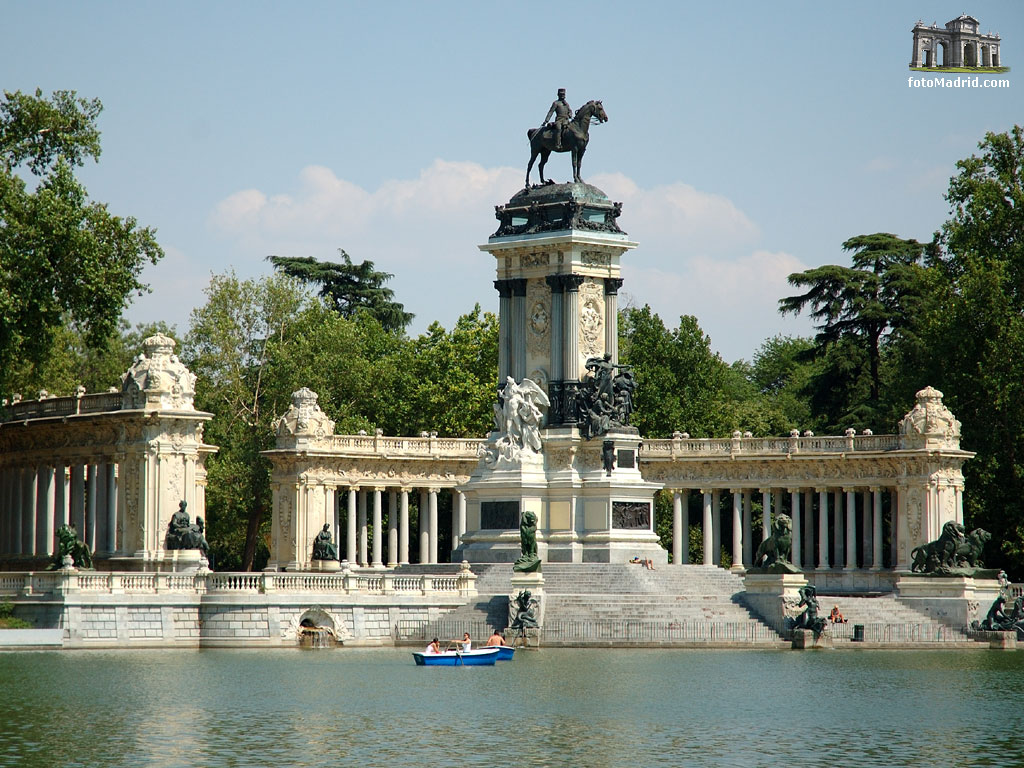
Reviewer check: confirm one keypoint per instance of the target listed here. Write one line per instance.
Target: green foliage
(681, 383)
(977, 340)
(858, 310)
(64, 260)
(7, 619)
(349, 288)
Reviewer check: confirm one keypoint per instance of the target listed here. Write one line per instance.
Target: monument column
(680, 529)
(808, 538)
(737, 528)
(611, 316)
(504, 289)
(518, 347)
(822, 529)
(47, 529)
(89, 534)
(748, 548)
(794, 495)
(424, 516)
(716, 527)
(363, 533)
(557, 325)
(708, 533)
(571, 333)
(30, 501)
(766, 513)
(403, 528)
(839, 526)
(876, 529)
(350, 526)
(17, 522)
(392, 528)
(111, 511)
(378, 533)
(460, 519)
(433, 524)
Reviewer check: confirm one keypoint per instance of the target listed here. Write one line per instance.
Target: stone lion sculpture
(953, 549)
(776, 548)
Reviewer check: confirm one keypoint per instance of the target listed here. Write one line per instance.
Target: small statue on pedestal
(323, 545)
(528, 561)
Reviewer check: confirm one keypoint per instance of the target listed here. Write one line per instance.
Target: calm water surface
(373, 707)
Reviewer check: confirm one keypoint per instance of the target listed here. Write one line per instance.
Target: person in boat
(467, 642)
(835, 616)
(434, 646)
(495, 639)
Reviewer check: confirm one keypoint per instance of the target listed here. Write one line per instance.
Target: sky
(746, 140)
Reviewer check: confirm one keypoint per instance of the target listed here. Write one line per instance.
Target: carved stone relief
(591, 300)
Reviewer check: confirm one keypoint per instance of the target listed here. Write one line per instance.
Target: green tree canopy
(857, 309)
(64, 260)
(349, 287)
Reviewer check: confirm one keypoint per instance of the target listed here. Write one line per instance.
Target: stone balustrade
(65, 582)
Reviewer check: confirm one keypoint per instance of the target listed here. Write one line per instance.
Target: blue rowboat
(476, 658)
(505, 652)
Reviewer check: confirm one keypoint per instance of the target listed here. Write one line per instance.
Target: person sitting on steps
(835, 616)
(646, 562)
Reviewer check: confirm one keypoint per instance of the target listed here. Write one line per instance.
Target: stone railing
(680, 447)
(40, 583)
(400, 447)
(54, 407)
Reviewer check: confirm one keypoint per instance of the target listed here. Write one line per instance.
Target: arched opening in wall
(929, 57)
(316, 629)
(944, 56)
(970, 55)
(986, 56)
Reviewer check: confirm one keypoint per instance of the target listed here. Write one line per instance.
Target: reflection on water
(552, 707)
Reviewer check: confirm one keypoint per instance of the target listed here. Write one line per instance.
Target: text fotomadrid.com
(957, 82)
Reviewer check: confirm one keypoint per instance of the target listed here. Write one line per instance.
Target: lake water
(554, 707)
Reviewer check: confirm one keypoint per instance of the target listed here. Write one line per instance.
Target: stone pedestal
(534, 584)
(163, 561)
(324, 566)
(804, 639)
(773, 596)
(953, 600)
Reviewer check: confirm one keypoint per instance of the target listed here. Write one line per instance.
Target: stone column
(822, 529)
(748, 548)
(30, 500)
(364, 558)
(518, 329)
(557, 326)
(851, 529)
(403, 528)
(378, 533)
(459, 517)
(350, 525)
(794, 499)
(392, 528)
(424, 528)
(839, 548)
(45, 531)
(90, 506)
(876, 528)
(111, 511)
(571, 332)
(737, 528)
(77, 511)
(611, 316)
(766, 513)
(708, 534)
(808, 538)
(504, 326)
(17, 521)
(433, 525)
(716, 526)
(680, 541)
(5, 511)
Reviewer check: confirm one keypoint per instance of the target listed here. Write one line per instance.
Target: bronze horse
(575, 138)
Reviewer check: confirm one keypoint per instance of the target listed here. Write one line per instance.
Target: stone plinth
(324, 566)
(953, 600)
(772, 595)
(804, 639)
(163, 561)
(534, 584)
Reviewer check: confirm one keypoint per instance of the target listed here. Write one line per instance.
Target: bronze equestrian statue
(564, 135)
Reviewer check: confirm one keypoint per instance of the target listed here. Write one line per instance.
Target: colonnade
(364, 507)
(833, 528)
(35, 501)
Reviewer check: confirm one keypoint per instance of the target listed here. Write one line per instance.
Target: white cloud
(698, 251)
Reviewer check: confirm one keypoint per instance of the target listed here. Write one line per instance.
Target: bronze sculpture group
(605, 398)
(954, 550)
(184, 534)
(69, 545)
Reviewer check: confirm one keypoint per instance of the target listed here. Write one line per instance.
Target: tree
(349, 287)
(681, 383)
(976, 341)
(64, 260)
(857, 309)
